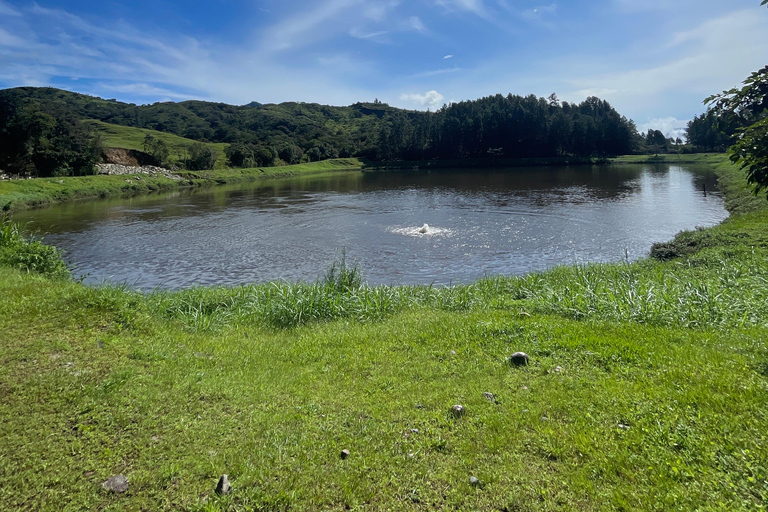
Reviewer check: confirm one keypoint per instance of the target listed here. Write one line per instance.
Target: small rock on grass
(344, 454)
(458, 411)
(473, 481)
(117, 484)
(519, 359)
(489, 396)
(223, 488)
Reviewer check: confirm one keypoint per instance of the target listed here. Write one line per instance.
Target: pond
(480, 223)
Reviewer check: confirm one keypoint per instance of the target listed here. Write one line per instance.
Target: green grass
(694, 158)
(646, 389)
(127, 137)
(21, 194)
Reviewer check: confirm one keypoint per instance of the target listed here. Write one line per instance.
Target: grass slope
(646, 388)
(127, 137)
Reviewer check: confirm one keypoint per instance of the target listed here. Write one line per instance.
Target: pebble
(223, 487)
(117, 484)
(558, 369)
(489, 396)
(474, 481)
(623, 427)
(344, 454)
(458, 411)
(519, 359)
(414, 431)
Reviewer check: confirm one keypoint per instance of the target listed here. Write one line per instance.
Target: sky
(654, 60)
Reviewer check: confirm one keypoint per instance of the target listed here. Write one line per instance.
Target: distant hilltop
(259, 134)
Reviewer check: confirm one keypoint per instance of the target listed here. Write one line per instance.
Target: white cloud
(415, 23)
(430, 99)
(7, 10)
(701, 61)
(669, 126)
(308, 26)
(448, 57)
(474, 6)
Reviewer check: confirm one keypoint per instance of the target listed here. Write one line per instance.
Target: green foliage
(708, 132)
(37, 142)
(200, 157)
(749, 105)
(493, 127)
(127, 137)
(341, 277)
(156, 149)
(20, 252)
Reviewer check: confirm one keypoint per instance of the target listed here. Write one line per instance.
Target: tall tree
(750, 105)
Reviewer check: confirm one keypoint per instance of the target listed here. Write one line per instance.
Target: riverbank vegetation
(21, 194)
(645, 390)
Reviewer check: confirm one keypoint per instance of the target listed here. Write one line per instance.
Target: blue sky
(654, 60)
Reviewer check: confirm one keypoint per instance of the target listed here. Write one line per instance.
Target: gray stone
(223, 488)
(519, 359)
(117, 484)
(489, 396)
(458, 411)
(344, 454)
(473, 481)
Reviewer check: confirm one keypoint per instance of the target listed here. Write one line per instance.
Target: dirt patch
(120, 156)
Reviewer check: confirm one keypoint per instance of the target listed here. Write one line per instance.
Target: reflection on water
(481, 222)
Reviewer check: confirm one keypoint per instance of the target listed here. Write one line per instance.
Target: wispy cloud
(7, 10)
(449, 56)
(308, 26)
(474, 6)
(714, 53)
(415, 23)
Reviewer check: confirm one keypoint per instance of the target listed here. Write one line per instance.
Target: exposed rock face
(120, 170)
(119, 156)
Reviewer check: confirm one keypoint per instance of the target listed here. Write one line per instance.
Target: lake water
(481, 222)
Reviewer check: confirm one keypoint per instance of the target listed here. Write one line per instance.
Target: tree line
(42, 121)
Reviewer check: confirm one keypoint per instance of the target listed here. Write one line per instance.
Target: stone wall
(120, 170)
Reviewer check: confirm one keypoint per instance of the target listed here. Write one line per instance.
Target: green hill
(127, 137)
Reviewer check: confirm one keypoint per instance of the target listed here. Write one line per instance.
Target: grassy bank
(21, 194)
(646, 388)
(710, 159)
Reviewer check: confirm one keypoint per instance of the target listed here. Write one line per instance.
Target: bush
(20, 252)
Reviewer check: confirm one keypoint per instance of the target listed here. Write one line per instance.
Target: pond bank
(38, 192)
(641, 377)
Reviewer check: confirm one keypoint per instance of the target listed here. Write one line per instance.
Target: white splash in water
(425, 230)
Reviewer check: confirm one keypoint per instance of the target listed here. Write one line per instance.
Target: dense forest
(38, 123)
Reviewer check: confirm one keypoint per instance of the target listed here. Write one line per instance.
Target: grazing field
(129, 137)
(646, 388)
